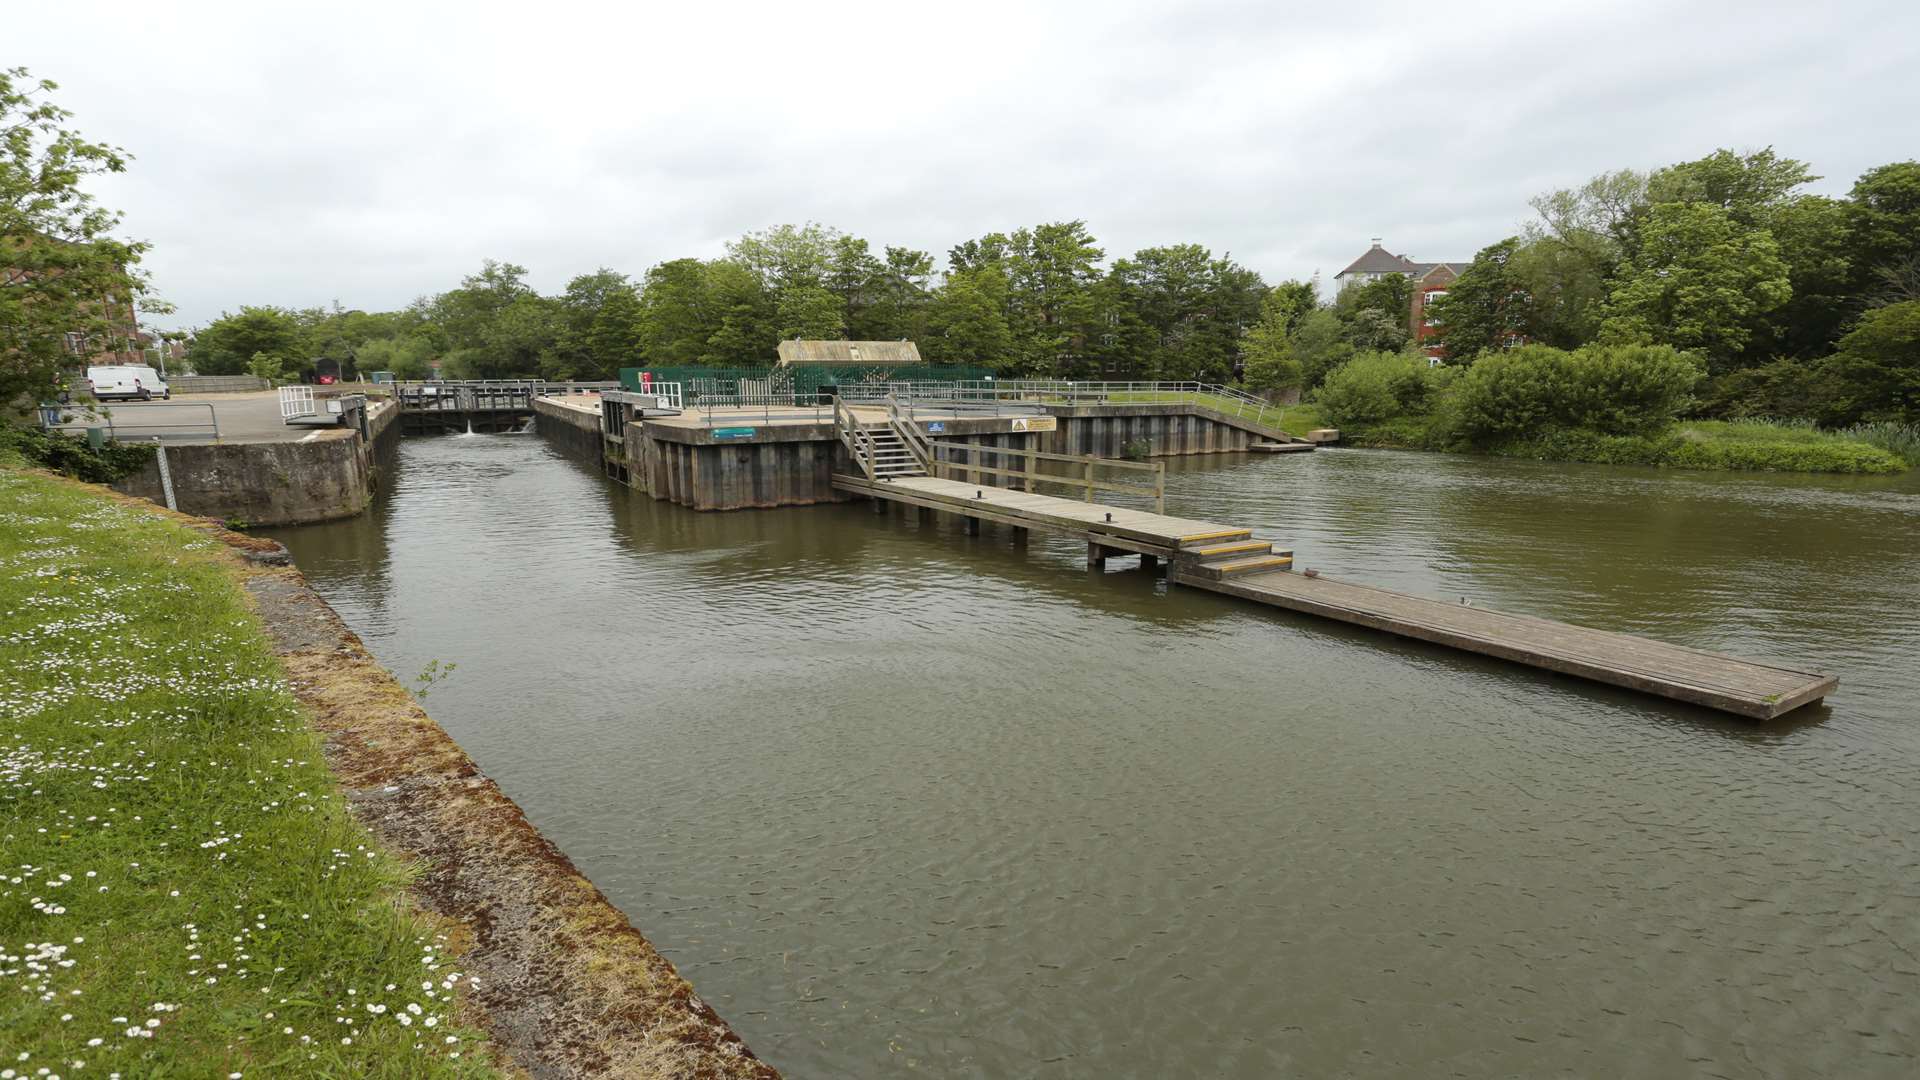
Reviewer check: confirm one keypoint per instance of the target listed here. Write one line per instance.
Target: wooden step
(1215, 551)
(1221, 536)
(1259, 564)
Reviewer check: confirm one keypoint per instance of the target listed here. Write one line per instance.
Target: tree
(1883, 218)
(1699, 281)
(677, 316)
(1875, 375)
(968, 319)
(1267, 347)
(1190, 310)
(61, 271)
(1320, 344)
(745, 332)
(617, 336)
(231, 344)
(810, 311)
(1749, 187)
(1486, 307)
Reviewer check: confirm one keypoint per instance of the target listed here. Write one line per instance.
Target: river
(894, 798)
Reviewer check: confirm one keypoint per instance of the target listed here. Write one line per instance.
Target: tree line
(1792, 304)
(1037, 301)
(1788, 303)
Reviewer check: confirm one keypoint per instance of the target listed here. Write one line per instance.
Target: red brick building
(1430, 281)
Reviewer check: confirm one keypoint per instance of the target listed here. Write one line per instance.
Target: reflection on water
(894, 797)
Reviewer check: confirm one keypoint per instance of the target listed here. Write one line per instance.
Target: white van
(124, 382)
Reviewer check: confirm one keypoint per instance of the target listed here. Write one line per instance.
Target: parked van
(126, 382)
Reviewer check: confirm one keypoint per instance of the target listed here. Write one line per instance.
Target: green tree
(616, 338)
(65, 273)
(1698, 281)
(1486, 306)
(1875, 375)
(1751, 188)
(1883, 217)
(1376, 314)
(677, 314)
(1320, 344)
(1267, 348)
(745, 328)
(810, 311)
(1190, 310)
(230, 344)
(967, 320)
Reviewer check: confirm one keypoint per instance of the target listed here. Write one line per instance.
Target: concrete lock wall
(575, 430)
(276, 483)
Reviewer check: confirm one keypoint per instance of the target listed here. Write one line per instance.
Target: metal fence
(148, 420)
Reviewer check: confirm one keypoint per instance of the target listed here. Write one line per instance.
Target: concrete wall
(277, 483)
(576, 431)
(217, 384)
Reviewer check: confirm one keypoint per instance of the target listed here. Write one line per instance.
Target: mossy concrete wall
(276, 483)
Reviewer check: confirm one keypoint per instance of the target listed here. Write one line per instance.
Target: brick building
(1430, 281)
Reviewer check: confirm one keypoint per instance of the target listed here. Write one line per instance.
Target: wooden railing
(1084, 475)
(857, 441)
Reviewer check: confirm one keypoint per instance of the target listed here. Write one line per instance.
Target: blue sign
(936, 428)
(733, 433)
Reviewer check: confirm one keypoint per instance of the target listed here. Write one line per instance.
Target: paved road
(248, 417)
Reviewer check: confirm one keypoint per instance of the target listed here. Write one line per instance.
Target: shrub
(1373, 387)
(71, 455)
(1608, 389)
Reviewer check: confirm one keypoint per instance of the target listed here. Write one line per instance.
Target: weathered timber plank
(1720, 682)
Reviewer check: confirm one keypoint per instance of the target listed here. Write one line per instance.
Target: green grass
(183, 892)
(1900, 440)
(1719, 445)
(1293, 419)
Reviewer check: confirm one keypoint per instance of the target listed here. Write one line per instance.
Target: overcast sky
(371, 154)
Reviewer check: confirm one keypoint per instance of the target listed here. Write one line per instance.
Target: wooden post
(1089, 479)
(1159, 487)
(925, 515)
(1096, 556)
(1149, 563)
(973, 525)
(1019, 536)
(879, 504)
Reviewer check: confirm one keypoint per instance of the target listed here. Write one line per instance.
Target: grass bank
(184, 892)
(1735, 445)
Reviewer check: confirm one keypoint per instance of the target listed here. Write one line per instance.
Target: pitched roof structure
(1378, 260)
(879, 353)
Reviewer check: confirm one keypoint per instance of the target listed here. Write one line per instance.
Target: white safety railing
(296, 402)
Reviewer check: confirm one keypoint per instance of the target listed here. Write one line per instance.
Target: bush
(1536, 389)
(1373, 387)
(71, 455)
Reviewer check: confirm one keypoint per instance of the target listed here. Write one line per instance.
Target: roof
(1378, 260)
(888, 353)
(1421, 271)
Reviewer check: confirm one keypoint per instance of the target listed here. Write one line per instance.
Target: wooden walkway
(1139, 531)
(1225, 559)
(1637, 663)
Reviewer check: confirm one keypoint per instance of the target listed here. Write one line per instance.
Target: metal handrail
(114, 427)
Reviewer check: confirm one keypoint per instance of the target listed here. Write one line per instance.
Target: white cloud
(372, 153)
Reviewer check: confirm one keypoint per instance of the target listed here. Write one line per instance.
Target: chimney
(1376, 241)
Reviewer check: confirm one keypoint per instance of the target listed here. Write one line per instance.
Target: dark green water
(895, 798)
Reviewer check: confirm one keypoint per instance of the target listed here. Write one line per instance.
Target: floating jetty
(983, 456)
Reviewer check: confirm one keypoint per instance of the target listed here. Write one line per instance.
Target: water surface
(895, 798)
